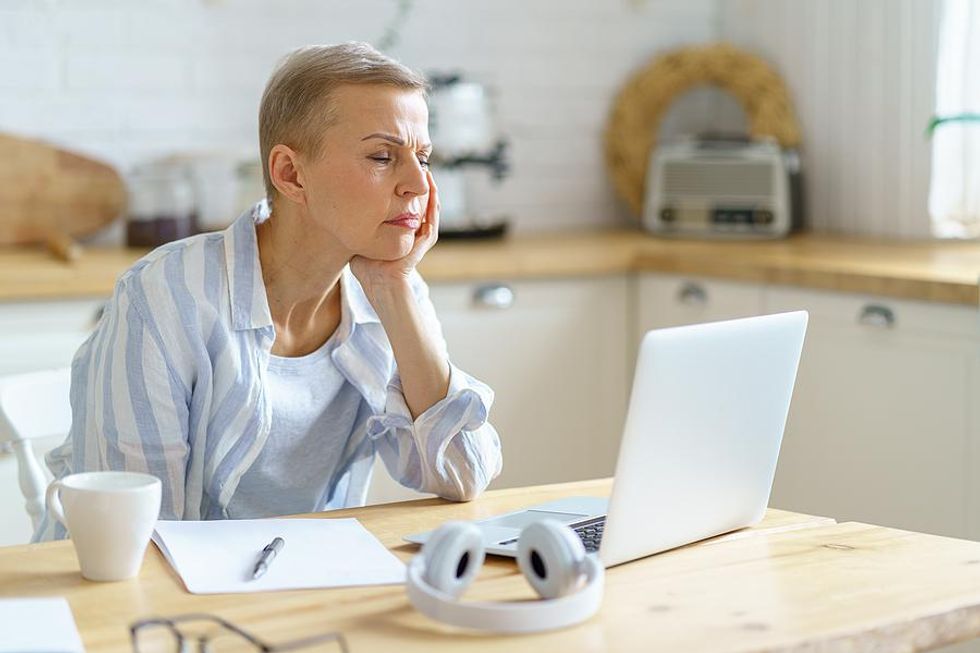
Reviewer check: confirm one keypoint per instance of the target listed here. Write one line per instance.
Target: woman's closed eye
(385, 160)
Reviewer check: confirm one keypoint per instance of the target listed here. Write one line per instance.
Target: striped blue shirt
(172, 382)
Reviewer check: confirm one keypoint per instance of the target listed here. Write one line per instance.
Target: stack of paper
(218, 556)
(38, 626)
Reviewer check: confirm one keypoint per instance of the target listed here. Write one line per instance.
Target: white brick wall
(126, 81)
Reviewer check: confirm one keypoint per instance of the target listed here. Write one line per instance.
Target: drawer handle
(692, 294)
(878, 316)
(494, 296)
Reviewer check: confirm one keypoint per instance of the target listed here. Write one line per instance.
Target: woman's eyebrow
(394, 139)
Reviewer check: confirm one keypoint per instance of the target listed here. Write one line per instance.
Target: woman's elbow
(468, 483)
(463, 493)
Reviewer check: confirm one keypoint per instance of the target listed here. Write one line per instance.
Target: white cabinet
(41, 335)
(880, 428)
(555, 353)
(884, 425)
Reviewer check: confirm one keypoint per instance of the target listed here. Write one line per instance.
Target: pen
(267, 556)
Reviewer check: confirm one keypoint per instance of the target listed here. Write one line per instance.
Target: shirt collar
(246, 288)
(352, 294)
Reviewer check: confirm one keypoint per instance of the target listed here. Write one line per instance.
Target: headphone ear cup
(453, 555)
(552, 558)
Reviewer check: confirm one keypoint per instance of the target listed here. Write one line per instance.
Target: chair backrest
(33, 405)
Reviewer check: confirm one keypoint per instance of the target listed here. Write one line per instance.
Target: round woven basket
(634, 123)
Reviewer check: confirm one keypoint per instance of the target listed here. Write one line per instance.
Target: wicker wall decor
(634, 123)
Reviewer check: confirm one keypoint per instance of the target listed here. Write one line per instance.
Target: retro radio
(729, 188)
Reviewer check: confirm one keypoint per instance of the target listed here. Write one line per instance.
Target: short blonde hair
(296, 105)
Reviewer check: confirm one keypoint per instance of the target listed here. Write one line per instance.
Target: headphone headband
(545, 614)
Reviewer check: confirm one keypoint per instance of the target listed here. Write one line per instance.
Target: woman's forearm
(423, 368)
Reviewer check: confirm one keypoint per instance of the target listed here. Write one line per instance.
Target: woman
(258, 370)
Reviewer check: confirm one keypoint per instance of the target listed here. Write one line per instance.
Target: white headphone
(551, 557)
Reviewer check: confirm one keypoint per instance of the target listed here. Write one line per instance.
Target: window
(954, 192)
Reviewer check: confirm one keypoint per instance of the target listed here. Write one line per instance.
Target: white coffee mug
(109, 516)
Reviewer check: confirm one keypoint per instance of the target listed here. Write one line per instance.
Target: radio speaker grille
(717, 179)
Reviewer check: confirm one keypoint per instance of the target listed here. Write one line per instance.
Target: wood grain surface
(792, 583)
(928, 271)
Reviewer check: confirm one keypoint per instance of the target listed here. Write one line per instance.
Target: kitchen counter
(929, 271)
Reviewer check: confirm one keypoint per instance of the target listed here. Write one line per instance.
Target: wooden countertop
(930, 271)
(793, 582)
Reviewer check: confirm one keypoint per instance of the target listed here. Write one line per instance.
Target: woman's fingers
(433, 206)
(431, 225)
(425, 238)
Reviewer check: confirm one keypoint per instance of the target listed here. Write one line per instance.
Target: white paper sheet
(214, 557)
(38, 626)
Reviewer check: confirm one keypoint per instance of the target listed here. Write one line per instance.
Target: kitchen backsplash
(129, 81)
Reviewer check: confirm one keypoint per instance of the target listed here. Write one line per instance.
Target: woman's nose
(414, 180)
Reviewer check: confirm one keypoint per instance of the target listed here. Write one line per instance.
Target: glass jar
(161, 205)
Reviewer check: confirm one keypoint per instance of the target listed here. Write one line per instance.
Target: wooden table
(793, 583)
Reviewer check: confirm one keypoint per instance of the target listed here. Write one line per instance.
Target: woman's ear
(284, 173)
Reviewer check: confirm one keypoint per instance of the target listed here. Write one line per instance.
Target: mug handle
(53, 502)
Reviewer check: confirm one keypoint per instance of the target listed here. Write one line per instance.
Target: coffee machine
(465, 143)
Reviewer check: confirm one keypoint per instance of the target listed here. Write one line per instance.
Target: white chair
(33, 405)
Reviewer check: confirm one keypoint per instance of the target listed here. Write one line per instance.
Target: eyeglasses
(205, 633)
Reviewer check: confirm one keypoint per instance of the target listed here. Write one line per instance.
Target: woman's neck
(301, 272)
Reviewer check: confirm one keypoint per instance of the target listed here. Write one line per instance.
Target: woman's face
(368, 187)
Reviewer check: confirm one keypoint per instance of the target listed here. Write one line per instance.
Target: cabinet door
(664, 300)
(44, 335)
(668, 300)
(554, 353)
(879, 427)
(973, 394)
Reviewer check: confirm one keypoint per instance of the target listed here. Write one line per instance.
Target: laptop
(698, 452)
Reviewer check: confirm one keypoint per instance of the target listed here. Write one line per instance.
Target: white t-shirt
(314, 409)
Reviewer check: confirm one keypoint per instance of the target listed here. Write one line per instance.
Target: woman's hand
(375, 275)
(421, 361)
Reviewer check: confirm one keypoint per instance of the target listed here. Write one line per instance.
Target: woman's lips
(406, 220)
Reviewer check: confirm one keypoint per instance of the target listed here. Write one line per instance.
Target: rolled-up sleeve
(451, 449)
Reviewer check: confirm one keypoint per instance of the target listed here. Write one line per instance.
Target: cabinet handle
(494, 295)
(878, 316)
(692, 294)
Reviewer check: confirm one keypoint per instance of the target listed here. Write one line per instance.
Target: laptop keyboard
(590, 532)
